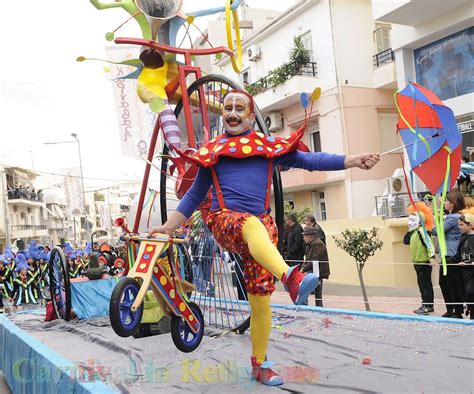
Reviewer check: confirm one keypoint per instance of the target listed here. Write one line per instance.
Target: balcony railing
(383, 57)
(28, 227)
(267, 82)
(395, 205)
(21, 194)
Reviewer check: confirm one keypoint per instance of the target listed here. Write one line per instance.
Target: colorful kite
(433, 144)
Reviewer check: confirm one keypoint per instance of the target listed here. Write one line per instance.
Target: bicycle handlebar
(170, 49)
(160, 238)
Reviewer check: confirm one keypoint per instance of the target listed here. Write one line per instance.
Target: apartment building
(433, 43)
(355, 113)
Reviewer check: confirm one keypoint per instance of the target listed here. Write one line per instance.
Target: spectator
(295, 245)
(316, 252)
(451, 284)
(310, 221)
(466, 259)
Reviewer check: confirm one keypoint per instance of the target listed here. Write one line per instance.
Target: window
(308, 42)
(314, 138)
(246, 77)
(388, 131)
(319, 205)
(445, 66)
(382, 37)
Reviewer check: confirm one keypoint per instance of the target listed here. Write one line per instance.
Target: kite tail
(438, 213)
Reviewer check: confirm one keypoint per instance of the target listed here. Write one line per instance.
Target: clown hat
(119, 260)
(9, 253)
(20, 262)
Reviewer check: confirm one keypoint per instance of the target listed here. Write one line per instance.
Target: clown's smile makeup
(236, 114)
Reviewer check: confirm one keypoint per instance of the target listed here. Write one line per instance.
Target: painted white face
(236, 114)
(413, 222)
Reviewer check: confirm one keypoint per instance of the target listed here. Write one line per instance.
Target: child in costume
(466, 258)
(119, 267)
(3, 271)
(420, 224)
(23, 291)
(239, 165)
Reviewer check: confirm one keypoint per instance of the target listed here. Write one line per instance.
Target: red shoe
(262, 373)
(299, 285)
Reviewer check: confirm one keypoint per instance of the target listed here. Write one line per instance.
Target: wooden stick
(404, 146)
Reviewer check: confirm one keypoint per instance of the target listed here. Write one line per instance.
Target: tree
(299, 212)
(360, 244)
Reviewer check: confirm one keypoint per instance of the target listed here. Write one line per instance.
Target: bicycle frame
(168, 290)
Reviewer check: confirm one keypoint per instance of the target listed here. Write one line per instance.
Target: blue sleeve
(311, 161)
(196, 193)
(450, 221)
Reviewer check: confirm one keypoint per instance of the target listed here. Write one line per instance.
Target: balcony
(295, 180)
(25, 197)
(385, 73)
(413, 12)
(29, 231)
(273, 93)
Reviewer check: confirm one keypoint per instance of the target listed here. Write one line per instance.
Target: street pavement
(381, 299)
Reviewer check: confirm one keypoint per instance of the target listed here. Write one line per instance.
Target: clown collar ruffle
(243, 146)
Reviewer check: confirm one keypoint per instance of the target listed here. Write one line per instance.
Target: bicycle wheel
(183, 338)
(221, 291)
(60, 287)
(123, 320)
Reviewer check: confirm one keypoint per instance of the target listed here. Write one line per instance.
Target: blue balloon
(304, 100)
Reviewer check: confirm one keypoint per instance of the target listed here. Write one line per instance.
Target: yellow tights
(260, 325)
(261, 247)
(266, 254)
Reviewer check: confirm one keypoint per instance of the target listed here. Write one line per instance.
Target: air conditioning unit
(274, 121)
(253, 53)
(396, 184)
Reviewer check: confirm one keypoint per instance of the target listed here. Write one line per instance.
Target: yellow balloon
(316, 94)
(190, 19)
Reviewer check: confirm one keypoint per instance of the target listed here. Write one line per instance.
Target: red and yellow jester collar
(241, 147)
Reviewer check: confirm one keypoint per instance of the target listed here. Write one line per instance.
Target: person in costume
(119, 267)
(451, 284)
(23, 291)
(3, 272)
(73, 268)
(465, 256)
(239, 166)
(422, 252)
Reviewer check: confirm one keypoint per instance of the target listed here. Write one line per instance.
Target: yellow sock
(260, 325)
(261, 247)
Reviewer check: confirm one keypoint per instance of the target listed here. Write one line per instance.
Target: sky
(45, 95)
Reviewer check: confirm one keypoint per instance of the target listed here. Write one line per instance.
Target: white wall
(363, 196)
(353, 30)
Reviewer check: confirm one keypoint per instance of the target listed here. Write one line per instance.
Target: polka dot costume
(240, 147)
(226, 226)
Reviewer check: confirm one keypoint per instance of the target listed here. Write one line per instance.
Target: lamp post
(74, 135)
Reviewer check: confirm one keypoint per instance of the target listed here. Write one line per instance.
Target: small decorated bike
(169, 288)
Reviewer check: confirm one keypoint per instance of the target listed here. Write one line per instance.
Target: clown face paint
(236, 114)
(413, 222)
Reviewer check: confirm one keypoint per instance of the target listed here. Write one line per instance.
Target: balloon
(109, 36)
(316, 94)
(304, 101)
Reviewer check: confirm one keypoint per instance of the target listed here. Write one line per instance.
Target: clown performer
(422, 253)
(239, 165)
